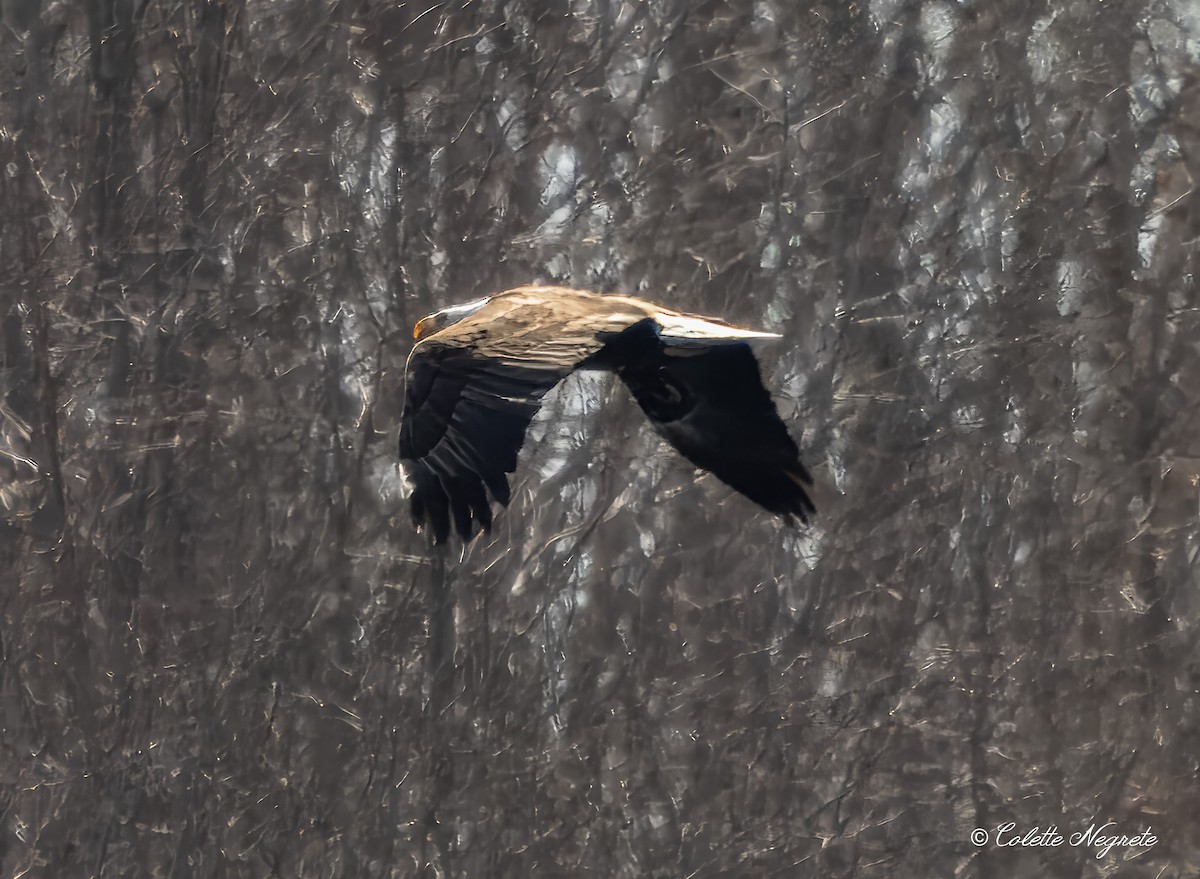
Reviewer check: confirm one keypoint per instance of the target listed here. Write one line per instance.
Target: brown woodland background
(225, 653)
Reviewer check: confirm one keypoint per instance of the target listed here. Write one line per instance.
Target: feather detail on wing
(713, 408)
(464, 424)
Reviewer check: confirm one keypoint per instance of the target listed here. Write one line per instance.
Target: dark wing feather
(712, 407)
(464, 422)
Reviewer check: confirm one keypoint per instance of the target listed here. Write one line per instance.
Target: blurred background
(225, 652)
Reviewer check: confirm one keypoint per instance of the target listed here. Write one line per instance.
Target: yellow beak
(421, 327)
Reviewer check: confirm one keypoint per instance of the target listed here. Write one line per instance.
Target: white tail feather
(682, 330)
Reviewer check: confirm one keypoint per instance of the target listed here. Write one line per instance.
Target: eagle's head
(439, 320)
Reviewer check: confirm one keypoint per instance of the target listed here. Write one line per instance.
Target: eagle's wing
(473, 388)
(464, 423)
(711, 405)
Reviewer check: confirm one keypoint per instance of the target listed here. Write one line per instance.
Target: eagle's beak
(421, 327)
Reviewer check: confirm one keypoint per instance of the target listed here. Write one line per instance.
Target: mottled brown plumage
(478, 372)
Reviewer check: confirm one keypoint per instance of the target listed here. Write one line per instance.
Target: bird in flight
(478, 371)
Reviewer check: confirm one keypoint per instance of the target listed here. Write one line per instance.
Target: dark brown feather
(462, 430)
(713, 408)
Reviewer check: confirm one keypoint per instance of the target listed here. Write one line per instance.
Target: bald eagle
(477, 374)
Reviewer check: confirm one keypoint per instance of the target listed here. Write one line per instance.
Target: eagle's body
(478, 372)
